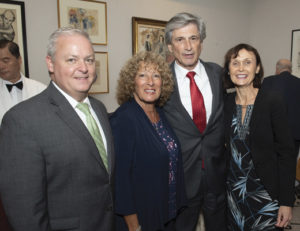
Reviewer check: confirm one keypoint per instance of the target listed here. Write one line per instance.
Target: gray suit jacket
(196, 147)
(51, 174)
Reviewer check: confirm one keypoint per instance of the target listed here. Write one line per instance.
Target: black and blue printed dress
(250, 207)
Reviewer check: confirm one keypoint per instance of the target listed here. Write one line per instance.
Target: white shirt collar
(181, 71)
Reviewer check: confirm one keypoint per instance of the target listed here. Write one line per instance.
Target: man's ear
(49, 63)
(20, 61)
(170, 48)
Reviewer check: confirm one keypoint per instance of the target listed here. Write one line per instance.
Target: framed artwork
(295, 52)
(149, 35)
(13, 28)
(101, 84)
(88, 15)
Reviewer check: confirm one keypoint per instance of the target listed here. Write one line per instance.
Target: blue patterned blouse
(173, 159)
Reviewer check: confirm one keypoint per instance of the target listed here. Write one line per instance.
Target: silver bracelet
(139, 228)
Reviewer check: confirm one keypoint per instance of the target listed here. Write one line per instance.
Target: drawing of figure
(6, 29)
(148, 45)
(80, 18)
(73, 18)
(83, 18)
(161, 44)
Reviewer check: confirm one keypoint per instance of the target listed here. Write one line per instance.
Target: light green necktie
(94, 130)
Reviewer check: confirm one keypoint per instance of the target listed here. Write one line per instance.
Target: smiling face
(148, 85)
(186, 46)
(243, 68)
(73, 66)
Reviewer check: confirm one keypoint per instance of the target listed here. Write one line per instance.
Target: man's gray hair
(63, 31)
(182, 19)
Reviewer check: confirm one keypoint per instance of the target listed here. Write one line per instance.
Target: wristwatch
(139, 228)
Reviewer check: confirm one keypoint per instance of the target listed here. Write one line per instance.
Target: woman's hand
(284, 216)
(132, 222)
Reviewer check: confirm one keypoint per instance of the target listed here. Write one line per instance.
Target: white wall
(272, 22)
(222, 17)
(228, 23)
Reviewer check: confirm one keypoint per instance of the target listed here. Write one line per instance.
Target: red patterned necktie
(199, 113)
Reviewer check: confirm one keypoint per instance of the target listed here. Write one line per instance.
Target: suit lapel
(214, 90)
(67, 114)
(256, 113)
(229, 109)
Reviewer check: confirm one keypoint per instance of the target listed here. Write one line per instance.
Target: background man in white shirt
(14, 86)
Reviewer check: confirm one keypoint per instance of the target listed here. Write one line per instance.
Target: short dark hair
(233, 53)
(12, 47)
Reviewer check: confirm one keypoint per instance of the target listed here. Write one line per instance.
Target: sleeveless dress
(250, 207)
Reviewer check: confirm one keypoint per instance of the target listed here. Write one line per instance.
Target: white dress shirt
(82, 116)
(8, 99)
(203, 84)
(15, 93)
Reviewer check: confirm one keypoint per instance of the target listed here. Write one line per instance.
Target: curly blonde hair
(126, 82)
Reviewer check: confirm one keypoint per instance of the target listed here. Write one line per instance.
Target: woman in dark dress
(149, 176)
(260, 147)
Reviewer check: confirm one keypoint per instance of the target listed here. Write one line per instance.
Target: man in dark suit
(55, 173)
(195, 111)
(289, 86)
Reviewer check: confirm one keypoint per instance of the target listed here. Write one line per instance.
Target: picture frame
(149, 35)
(295, 52)
(88, 15)
(13, 28)
(101, 85)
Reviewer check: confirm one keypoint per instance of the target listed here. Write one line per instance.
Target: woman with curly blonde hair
(149, 179)
(126, 84)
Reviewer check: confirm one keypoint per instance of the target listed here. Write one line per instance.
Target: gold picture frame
(101, 85)
(148, 35)
(88, 15)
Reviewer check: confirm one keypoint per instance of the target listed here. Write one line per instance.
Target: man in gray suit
(52, 174)
(195, 111)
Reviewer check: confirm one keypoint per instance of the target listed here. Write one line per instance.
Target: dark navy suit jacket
(289, 86)
(142, 170)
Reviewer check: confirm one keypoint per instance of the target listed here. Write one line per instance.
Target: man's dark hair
(12, 47)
